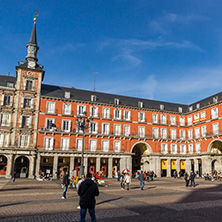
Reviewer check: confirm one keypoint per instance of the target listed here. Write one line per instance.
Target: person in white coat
(127, 180)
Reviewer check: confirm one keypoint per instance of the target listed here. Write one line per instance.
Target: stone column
(31, 167)
(129, 163)
(122, 163)
(98, 164)
(71, 164)
(196, 165)
(85, 163)
(168, 167)
(37, 167)
(155, 165)
(188, 166)
(178, 165)
(55, 167)
(206, 165)
(110, 167)
(9, 166)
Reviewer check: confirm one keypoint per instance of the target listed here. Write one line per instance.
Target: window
(105, 128)
(163, 119)
(92, 145)
(117, 114)
(215, 99)
(215, 128)
(197, 132)
(214, 113)
(48, 143)
(198, 148)
(190, 134)
(65, 143)
(164, 148)
(180, 109)
(4, 139)
(189, 120)
(182, 148)
(24, 140)
(106, 112)
(67, 95)
(182, 121)
(26, 121)
(198, 105)
(66, 125)
(182, 134)
(127, 115)
(126, 130)
(7, 100)
(50, 124)
(5, 119)
(141, 117)
(93, 98)
(190, 148)
(50, 107)
(67, 108)
(155, 133)
(105, 145)
(81, 110)
(163, 133)
(117, 129)
(10, 84)
(27, 103)
(117, 146)
(161, 107)
(174, 148)
(191, 108)
(203, 115)
(173, 120)
(196, 116)
(141, 131)
(203, 131)
(173, 134)
(29, 85)
(94, 111)
(155, 118)
(140, 104)
(116, 101)
(79, 144)
(94, 127)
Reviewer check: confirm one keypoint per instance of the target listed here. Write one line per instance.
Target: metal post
(82, 158)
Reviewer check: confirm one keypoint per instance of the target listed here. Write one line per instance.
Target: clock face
(31, 64)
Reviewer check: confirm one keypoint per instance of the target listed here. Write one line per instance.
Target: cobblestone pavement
(164, 199)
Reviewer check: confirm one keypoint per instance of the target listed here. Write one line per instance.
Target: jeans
(83, 214)
(192, 183)
(64, 191)
(13, 179)
(141, 184)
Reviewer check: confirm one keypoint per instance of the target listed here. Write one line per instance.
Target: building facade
(38, 131)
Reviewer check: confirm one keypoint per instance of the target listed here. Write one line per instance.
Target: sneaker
(63, 198)
(78, 207)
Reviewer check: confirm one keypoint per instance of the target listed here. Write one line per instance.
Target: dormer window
(198, 105)
(93, 98)
(215, 99)
(67, 95)
(116, 101)
(140, 104)
(180, 109)
(191, 108)
(161, 107)
(10, 84)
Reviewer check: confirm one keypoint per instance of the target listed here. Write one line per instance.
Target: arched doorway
(3, 165)
(214, 166)
(140, 149)
(215, 147)
(22, 167)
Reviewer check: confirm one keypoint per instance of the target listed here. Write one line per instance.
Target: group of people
(215, 175)
(87, 190)
(125, 180)
(189, 179)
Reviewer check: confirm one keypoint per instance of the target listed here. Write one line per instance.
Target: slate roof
(85, 95)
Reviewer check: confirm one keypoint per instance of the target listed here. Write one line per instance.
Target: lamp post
(83, 123)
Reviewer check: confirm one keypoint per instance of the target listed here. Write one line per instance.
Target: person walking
(122, 182)
(187, 179)
(87, 191)
(192, 176)
(13, 177)
(141, 179)
(65, 183)
(118, 175)
(127, 181)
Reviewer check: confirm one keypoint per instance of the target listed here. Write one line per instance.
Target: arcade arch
(22, 167)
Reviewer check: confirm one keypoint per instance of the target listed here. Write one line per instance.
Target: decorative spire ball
(35, 19)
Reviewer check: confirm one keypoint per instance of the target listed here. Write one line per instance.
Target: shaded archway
(214, 166)
(22, 167)
(139, 149)
(215, 147)
(3, 164)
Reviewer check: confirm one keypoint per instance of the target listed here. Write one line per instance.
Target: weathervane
(36, 14)
(95, 73)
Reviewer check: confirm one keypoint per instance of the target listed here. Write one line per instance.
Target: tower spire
(32, 47)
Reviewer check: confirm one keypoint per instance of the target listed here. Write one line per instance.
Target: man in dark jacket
(141, 179)
(192, 176)
(87, 192)
(65, 183)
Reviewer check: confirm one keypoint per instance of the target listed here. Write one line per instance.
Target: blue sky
(168, 50)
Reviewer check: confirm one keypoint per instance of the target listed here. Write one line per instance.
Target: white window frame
(94, 111)
(215, 128)
(117, 146)
(81, 112)
(182, 121)
(197, 132)
(116, 101)
(214, 113)
(141, 117)
(183, 148)
(106, 113)
(203, 115)
(203, 131)
(92, 147)
(52, 122)
(190, 148)
(67, 109)
(104, 148)
(163, 133)
(127, 118)
(163, 119)
(48, 145)
(171, 148)
(96, 128)
(182, 134)
(190, 134)
(115, 114)
(198, 148)
(155, 118)
(173, 120)
(155, 132)
(141, 131)
(65, 143)
(4, 139)
(117, 129)
(50, 107)
(93, 98)
(189, 120)
(69, 125)
(172, 134)
(164, 148)
(126, 132)
(106, 132)
(79, 144)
